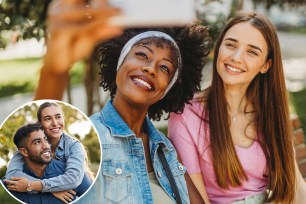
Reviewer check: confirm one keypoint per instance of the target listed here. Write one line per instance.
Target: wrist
(29, 187)
(55, 70)
(36, 185)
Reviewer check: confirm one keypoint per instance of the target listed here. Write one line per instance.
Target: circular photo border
(75, 125)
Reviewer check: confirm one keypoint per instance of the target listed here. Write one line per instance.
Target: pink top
(190, 137)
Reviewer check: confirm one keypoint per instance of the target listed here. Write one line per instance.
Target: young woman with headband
(147, 75)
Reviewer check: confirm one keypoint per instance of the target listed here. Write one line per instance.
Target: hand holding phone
(139, 13)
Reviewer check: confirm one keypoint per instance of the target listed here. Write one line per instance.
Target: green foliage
(15, 88)
(6, 198)
(77, 73)
(299, 101)
(24, 17)
(93, 146)
(164, 130)
(280, 3)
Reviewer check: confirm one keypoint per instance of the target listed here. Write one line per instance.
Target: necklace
(234, 118)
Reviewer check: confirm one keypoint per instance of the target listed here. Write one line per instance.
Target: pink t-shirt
(190, 136)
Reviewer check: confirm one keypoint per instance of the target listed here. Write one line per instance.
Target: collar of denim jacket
(119, 128)
(61, 143)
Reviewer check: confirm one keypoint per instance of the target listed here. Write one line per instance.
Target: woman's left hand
(18, 184)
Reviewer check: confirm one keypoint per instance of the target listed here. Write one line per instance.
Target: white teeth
(143, 82)
(55, 130)
(46, 153)
(234, 69)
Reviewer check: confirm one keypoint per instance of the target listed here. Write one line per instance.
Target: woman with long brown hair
(235, 137)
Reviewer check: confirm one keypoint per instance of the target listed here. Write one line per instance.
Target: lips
(233, 69)
(144, 82)
(46, 153)
(55, 130)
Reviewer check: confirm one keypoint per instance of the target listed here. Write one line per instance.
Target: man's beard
(39, 159)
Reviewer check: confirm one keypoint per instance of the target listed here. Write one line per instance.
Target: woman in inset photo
(52, 162)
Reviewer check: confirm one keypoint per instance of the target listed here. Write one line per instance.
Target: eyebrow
(48, 116)
(166, 59)
(36, 139)
(252, 46)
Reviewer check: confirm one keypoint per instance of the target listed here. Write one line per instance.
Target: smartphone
(141, 13)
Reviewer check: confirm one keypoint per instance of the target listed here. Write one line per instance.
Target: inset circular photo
(50, 153)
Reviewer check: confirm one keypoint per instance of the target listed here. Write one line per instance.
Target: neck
(37, 168)
(236, 100)
(54, 142)
(133, 115)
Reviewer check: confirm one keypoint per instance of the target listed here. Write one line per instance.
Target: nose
(149, 70)
(237, 55)
(45, 144)
(54, 121)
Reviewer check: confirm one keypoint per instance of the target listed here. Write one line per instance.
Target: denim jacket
(123, 177)
(68, 150)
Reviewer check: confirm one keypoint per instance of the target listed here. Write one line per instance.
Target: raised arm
(73, 29)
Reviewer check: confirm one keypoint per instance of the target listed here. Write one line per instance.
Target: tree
(218, 22)
(26, 18)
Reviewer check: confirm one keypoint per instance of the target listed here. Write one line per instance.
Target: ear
(266, 66)
(23, 151)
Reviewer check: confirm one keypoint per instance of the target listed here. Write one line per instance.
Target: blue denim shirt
(54, 168)
(123, 176)
(68, 150)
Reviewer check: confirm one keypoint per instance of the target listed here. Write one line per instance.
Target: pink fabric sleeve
(180, 129)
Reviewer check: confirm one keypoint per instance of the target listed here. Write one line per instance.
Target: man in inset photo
(35, 148)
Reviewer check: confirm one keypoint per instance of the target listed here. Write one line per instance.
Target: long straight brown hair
(268, 95)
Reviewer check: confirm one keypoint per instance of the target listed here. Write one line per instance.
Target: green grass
(19, 70)
(21, 75)
(301, 30)
(6, 198)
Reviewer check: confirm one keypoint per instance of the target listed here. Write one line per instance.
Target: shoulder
(71, 142)
(96, 118)
(56, 166)
(165, 139)
(193, 109)
(98, 123)
(57, 163)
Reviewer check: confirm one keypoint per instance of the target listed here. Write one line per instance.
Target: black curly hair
(194, 44)
(23, 132)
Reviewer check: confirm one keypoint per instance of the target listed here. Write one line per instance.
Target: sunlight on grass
(19, 70)
(21, 75)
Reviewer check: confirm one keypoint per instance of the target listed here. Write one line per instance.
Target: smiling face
(37, 148)
(145, 73)
(242, 55)
(52, 120)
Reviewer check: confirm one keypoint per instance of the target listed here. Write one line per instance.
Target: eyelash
(253, 52)
(230, 45)
(57, 117)
(165, 68)
(141, 54)
(249, 51)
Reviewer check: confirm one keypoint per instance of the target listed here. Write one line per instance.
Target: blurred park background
(22, 37)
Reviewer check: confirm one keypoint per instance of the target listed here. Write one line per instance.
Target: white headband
(152, 34)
